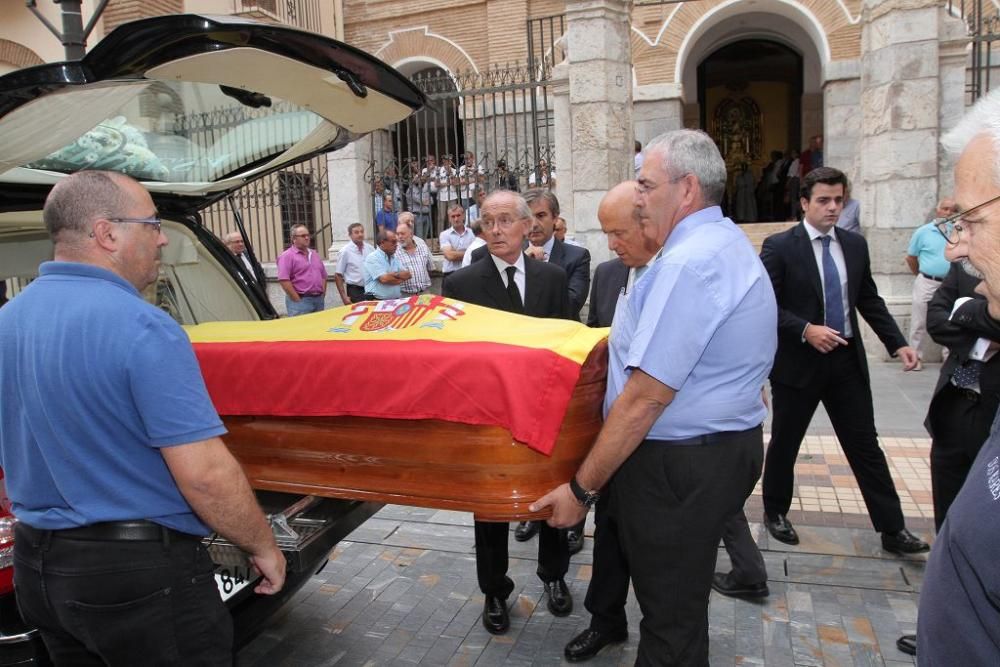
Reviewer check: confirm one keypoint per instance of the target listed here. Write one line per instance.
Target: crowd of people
(699, 325)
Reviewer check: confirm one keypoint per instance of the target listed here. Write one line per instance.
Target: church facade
(557, 92)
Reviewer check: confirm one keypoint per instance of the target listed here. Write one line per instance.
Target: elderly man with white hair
(959, 620)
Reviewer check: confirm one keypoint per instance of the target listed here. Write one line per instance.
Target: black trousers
(608, 589)
(355, 292)
(668, 506)
(961, 423)
(120, 602)
(840, 385)
(492, 560)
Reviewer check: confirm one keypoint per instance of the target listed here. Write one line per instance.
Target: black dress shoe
(575, 541)
(496, 618)
(560, 600)
(903, 542)
(781, 528)
(525, 530)
(727, 585)
(907, 644)
(589, 642)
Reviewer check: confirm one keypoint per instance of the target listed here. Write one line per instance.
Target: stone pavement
(402, 590)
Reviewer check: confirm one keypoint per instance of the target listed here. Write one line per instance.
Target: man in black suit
(575, 261)
(822, 280)
(968, 390)
(507, 280)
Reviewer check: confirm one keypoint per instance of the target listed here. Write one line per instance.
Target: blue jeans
(101, 602)
(304, 306)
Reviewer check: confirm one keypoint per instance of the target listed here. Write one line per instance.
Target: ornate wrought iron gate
(982, 19)
(480, 129)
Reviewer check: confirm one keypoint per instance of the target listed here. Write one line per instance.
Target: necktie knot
(513, 293)
(825, 240)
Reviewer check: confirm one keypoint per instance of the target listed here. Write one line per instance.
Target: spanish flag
(423, 357)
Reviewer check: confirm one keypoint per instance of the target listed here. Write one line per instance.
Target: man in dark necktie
(504, 279)
(822, 280)
(234, 242)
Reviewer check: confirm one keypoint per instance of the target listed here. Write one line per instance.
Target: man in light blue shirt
(682, 444)
(383, 274)
(925, 258)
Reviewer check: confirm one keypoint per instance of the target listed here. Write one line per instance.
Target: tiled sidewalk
(826, 493)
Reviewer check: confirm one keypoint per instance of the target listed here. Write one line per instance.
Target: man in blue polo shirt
(925, 259)
(383, 274)
(111, 451)
(682, 444)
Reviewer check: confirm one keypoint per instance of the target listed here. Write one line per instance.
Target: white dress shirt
(518, 275)
(351, 263)
(837, 252)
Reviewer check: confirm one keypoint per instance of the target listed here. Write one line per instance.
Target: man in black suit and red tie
(822, 279)
(506, 279)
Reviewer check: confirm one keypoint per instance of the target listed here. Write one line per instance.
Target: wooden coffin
(425, 463)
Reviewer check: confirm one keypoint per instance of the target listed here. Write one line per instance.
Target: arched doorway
(750, 102)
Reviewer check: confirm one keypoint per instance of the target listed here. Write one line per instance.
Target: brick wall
(493, 31)
(122, 11)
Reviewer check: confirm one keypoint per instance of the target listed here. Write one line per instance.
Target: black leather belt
(937, 280)
(708, 438)
(311, 294)
(114, 531)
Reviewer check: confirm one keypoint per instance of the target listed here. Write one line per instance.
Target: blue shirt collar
(689, 223)
(84, 271)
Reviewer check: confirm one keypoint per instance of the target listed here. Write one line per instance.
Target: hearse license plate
(231, 579)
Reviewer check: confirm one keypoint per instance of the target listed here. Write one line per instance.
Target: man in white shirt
(447, 187)
(469, 176)
(349, 275)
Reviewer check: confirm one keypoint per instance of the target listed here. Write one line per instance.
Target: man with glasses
(302, 275)
(682, 444)
(926, 261)
(414, 256)
(959, 619)
(822, 279)
(383, 274)
(506, 280)
(111, 448)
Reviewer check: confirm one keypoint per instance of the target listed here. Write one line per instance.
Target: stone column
(600, 104)
(563, 125)
(350, 199)
(898, 175)
(841, 120)
(657, 108)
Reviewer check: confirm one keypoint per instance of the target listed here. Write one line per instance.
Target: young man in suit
(822, 280)
(506, 279)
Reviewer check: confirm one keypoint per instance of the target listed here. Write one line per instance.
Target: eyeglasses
(952, 227)
(153, 221)
(503, 222)
(301, 236)
(644, 187)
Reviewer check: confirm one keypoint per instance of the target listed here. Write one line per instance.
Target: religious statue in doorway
(736, 128)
